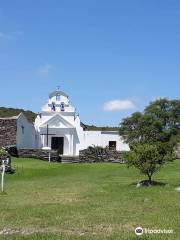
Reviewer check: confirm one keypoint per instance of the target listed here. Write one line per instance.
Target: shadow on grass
(147, 183)
(3, 193)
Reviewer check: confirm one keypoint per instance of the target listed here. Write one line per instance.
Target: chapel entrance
(57, 143)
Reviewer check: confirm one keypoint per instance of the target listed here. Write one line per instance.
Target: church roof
(16, 118)
(9, 118)
(12, 117)
(56, 119)
(57, 92)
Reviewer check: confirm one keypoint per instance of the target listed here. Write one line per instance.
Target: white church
(58, 127)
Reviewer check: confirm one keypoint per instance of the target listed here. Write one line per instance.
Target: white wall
(98, 138)
(113, 136)
(26, 139)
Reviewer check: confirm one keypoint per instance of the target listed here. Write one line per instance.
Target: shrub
(148, 158)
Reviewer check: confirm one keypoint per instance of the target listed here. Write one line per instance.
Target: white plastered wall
(25, 137)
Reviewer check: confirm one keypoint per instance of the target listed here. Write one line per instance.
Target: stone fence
(85, 156)
(107, 155)
(38, 153)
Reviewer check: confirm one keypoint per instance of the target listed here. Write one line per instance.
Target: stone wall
(8, 128)
(85, 156)
(107, 156)
(38, 153)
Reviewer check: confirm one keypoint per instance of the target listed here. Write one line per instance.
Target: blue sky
(111, 57)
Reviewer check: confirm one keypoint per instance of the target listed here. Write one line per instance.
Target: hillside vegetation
(10, 112)
(97, 128)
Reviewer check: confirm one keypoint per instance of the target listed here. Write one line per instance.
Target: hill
(97, 128)
(10, 112)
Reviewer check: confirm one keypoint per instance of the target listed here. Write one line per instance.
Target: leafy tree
(148, 158)
(157, 130)
(160, 122)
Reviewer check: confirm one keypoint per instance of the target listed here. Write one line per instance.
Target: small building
(58, 127)
(17, 131)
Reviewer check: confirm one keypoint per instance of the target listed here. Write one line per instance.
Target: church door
(57, 143)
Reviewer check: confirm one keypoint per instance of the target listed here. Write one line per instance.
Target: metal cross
(47, 134)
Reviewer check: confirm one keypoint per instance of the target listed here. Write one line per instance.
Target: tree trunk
(150, 178)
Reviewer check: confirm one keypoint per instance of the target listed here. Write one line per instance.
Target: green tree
(158, 128)
(160, 122)
(148, 158)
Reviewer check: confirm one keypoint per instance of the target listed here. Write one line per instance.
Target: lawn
(87, 201)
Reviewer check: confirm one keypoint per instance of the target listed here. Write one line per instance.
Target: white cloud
(45, 70)
(118, 105)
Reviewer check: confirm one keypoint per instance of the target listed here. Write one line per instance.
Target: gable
(57, 121)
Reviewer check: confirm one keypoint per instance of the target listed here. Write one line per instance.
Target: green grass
(87, 201)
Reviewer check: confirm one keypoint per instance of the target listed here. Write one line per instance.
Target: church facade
(58, 127)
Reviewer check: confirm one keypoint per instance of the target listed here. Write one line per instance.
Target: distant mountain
(10, 112)
(97, 128)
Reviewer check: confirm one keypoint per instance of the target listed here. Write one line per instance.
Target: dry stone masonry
(38, 153)
(8, 128)
(107, 155)
(86, 156)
